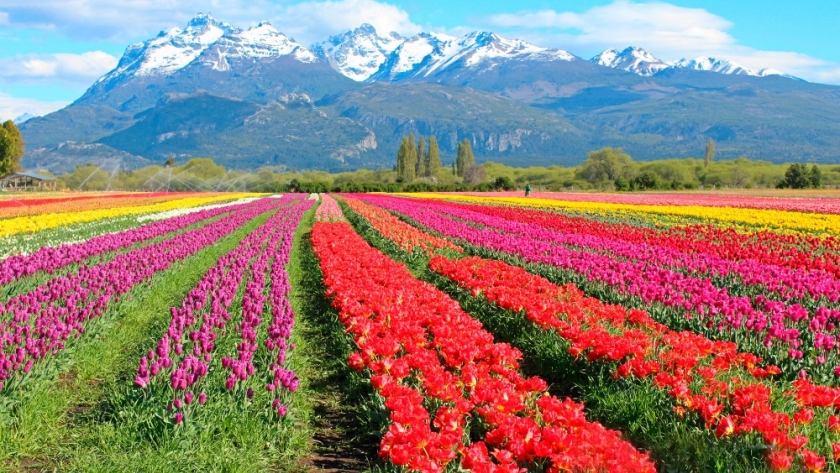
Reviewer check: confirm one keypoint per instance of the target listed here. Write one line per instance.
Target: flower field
(420, 333)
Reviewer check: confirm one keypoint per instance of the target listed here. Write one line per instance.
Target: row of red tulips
(729, 390)
(444, 381)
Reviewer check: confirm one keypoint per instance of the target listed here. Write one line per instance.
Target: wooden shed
(24, 181)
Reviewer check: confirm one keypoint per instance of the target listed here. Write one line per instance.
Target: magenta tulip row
(39, 323)
(186, 349)
(787, 283)
(773, 320)
(49, 259)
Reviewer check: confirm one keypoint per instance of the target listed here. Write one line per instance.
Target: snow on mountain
(24, 118)
(363, 55)
(176, 48)
(429, 53)
(724, 66)
(171, 50)
(261, 41)
(358, 53)
(632, 59)
(643, 63)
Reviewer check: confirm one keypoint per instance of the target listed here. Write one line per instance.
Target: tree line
(416, 160)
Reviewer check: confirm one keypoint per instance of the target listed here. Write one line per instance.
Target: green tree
(420, 170)
(411, 159)
(170, 162)
(465, 158)
(645, 181)
(12, 148)
(710, 153)
(504, 183)
(433, 163)
(797, 176)
(815, 176)
(407, 159)
(402, 159)
(606, 164)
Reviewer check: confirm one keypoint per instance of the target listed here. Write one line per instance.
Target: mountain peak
(631, 59)
(713, 64)
(358, 53)
(24, 118)
(430, 53)
(205, 19)
(176, 48)
(366, 28)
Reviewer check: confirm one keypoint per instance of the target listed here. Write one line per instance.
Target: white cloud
(13, 107)
(668, 28)
(4, 18)
(73, 69)
(668, 31)
(130, 20)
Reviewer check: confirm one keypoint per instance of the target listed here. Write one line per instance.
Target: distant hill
(255, 97)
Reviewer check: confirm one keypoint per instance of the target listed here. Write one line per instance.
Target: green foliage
(12, 148)
(606, 164)
(798, 176)
(503, 183)
(709, 156)
(407, 159)
(647, 181)
(815, 175)
(433, 164)
(421, 157)
(465, 158)
(672, 174)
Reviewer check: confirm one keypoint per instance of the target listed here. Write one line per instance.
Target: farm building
(20, 181)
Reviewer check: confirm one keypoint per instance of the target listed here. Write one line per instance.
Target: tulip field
(486, 332)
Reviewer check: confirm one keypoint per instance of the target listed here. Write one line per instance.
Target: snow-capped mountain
(722, 66)
(205, 40)
(261, 41)
(429, 53)
(632, 59)
(358, 53)
(643, 63)
(23, 118)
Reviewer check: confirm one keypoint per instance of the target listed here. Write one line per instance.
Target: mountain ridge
(345, 102)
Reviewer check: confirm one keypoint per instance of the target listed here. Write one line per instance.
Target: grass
(348, 417)
(90, 416)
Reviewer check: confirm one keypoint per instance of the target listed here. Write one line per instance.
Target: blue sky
(52, 50)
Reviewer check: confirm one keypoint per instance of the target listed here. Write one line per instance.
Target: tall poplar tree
(465, 158)
(402, 159)
(421, 157)
(433, 163)
(410, 159)
(710, 153)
